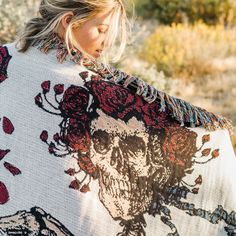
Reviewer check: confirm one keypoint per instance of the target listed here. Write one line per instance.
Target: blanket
(82, 155)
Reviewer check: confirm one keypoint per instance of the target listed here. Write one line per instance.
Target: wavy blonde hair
(51, 13)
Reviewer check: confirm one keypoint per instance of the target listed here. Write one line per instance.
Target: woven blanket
(81, 155)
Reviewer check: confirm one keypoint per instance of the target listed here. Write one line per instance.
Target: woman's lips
(99, 52)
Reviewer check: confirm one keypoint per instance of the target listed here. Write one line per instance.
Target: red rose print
(215, 153)
(84, 189)
(77, 137)
(84, 74)
(199, 180)
(206, 152)
(4, 195)
(75, 184)
(110, 97)
(59, 88)
(86, 165)
(4, 60)
(115, 100)
(3, 153)
(195, 190)
(8, 127)
(14, 170)
(179, 145)
(153, 117)
(51, 148)
(74, 103)
(46, 86)
(96, 77)
(56, 137)
(38, 100)
(205, 138)
(70, 171)
(44, 136)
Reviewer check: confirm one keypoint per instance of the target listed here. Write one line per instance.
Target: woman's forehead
(103, 18)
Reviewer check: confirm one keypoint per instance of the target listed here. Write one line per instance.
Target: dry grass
(216, 94)
(189, 51)
(13, 15)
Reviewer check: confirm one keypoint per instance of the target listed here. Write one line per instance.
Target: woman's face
(91, 34)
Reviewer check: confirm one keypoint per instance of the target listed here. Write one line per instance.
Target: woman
(88, 150)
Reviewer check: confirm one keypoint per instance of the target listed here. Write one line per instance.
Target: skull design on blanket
(127, 168)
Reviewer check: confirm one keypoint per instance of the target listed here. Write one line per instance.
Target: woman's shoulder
(36, 65)
(10, 49)
(30, 54)
(34, 58)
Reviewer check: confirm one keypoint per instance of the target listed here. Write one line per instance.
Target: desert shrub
(179, 11)
(182, 50)
(149, 73)
(13, 14)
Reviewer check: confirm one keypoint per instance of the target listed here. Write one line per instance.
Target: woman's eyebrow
(104, 24)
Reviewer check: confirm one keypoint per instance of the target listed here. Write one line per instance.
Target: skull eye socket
(101, 141)
(133, 144)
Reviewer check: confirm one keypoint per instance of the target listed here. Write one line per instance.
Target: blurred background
(186, 48)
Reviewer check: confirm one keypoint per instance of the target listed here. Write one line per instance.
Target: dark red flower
(115, 100)
(2, 77)
(153, 117)
(3, 153)
(46, 86)
(70, 171)
(179, 145)
(77, 136)
(59, 88)
(44, 136)
(195, 190)
(4, 60)
(38, 100)
(56, 137)
(206, 152)
(14, 170)
(86, 165)
(85, 188)
(205, 138)
(84, 74)
(75, 184)
(111, 97)
(215, 153)
(51, 148)
(96, 77)
(198, 180)
(74, 103)
(4, 195)
(8, 127)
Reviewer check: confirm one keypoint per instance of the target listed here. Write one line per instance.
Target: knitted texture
(83, 155)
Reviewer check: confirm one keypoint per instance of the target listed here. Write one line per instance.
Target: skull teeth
(124, 185)
(116, 188)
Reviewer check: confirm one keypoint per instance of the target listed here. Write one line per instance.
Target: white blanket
(83, 156)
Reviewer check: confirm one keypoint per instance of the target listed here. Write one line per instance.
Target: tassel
(180, 110)
(196, 116)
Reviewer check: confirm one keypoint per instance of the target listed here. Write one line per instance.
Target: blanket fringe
(182, 111)
(195, 116)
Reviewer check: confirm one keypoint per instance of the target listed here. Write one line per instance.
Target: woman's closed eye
(102, 31)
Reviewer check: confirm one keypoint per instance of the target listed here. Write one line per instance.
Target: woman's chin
(97, 54)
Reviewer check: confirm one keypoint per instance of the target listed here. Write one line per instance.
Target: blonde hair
(50, 15)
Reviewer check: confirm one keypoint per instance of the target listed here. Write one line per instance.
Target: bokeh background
(186, 48)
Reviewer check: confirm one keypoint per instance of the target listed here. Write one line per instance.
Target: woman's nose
(102, 45)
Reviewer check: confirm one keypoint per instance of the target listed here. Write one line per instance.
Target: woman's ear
(66, 18)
